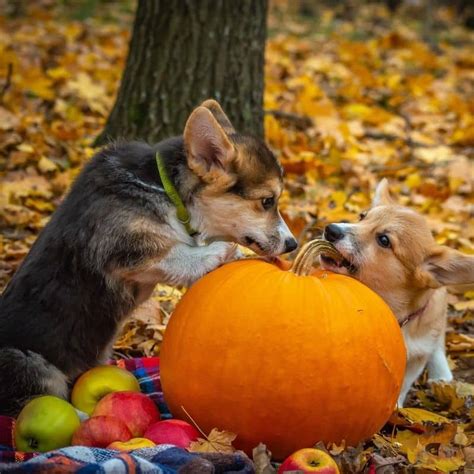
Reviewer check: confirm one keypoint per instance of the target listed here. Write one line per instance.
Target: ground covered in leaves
(351, 97)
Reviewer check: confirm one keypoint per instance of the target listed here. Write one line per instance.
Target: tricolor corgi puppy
(133, 218)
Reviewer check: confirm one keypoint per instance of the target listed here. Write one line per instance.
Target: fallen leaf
(418, 415)
(217, 441)
(453, 395)
(460, 342)
(8, 120)
(45, 165)
(335, 449)
(441, 464)
(262, 460)
(463, 306)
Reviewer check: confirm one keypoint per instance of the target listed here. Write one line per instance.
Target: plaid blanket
(163, 459)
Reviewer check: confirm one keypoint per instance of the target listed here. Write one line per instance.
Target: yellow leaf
(57, 73)
(410, 445)
(464, 136)
(39, 205)
(25, 147)
(413, 444)
(434, 154)
(216, 442)
(441, 464)
(453, 395)
(45, 165)
(418, 415)
(463, 306)
(460, 342)
(413, 180)
(357, 111)
(13, 190)
(73, 30)
(40, 86)
(91, 91)
(338, 198)
(455, 183)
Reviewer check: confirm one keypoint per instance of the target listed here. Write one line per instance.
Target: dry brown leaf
(148, 312)
(461, 439)
(452, 395)
(216, 442)
(8, 121)
(262, 460)
(460, 342)
(336, 449)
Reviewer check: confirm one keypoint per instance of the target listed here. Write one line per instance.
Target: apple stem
(304, 261)
(33, 443)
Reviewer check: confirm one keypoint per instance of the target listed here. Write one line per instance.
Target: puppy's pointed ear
(209, 150)
(382, 194)
(219, 115)
(444, 266)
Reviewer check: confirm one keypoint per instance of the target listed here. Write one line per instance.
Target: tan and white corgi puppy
(134, 217)
(392, 251)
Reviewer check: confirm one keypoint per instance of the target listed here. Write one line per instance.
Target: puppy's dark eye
(362, 215)
(383, 241)
(268, 203)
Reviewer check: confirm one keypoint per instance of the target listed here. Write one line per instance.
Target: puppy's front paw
(212, 256)
(224, 252)
(234, 253)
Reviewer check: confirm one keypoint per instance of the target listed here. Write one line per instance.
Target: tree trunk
(183, 52)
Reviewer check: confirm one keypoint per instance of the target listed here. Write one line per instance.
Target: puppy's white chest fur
(420, 345)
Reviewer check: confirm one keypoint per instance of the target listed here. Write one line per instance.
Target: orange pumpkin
(283, 359)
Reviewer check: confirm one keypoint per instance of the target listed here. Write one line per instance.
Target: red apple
(309, 460)
(131, 445)
(175, 432)
(136, 410)
(100, 431)
(94, 384)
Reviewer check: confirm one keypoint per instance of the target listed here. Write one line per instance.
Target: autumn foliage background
(353, 94)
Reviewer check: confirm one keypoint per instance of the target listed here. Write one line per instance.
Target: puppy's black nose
(290, 244)
(333, 233)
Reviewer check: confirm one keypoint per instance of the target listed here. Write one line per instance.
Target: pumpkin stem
(304, 260)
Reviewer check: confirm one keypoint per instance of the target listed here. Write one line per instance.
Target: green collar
(181, 211)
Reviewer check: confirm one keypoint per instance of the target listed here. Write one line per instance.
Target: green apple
(45, 423)
(94, 384)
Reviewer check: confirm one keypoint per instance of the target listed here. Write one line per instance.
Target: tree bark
(183, 52)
